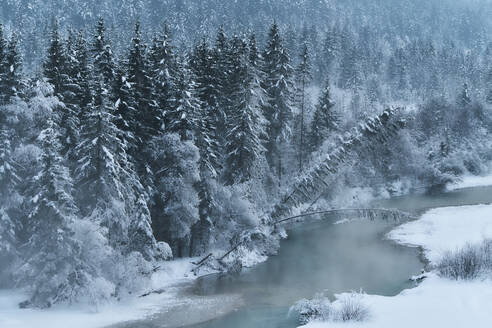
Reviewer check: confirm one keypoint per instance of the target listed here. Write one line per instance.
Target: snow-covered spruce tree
(331, 49)
(397, 72)
(55, 63)
(72, 95)
(349, 77)
(463, 99)
(82, 70)
(60, 71)
(373, 91)
(125, 113)
(52, 268)
(246, 123)
(184, 106)
(254, 54)
(201, 62)
(222, 57)
(277, 106)
(488, 85)
(303, 79)
(8, 199)
(149, 117)
(109, 189)
(164, 69)
(174, 159)
(3, 66)
(11, 82)
(325, 120)
(208, 164)
(102, 55)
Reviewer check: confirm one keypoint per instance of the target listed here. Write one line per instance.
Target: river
(318, 256)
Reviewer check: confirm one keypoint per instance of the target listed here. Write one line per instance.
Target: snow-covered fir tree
(246, 123)
(463, 98)
(9, 180)
(149, 117)
(55, 63)
(210, 113)
(325, 120)
(102, 54)
(110, 190)
(11, 81)
(164, 70)
(3, 66)
(277, 106)
(184, 107)
(125, 113)
(52, 263)
(303, 77)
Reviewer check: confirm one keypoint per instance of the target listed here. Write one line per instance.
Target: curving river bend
(318, 256)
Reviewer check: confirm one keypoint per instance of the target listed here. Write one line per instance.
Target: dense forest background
(134, 132)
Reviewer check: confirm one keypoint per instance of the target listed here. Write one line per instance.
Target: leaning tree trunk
(311, 184)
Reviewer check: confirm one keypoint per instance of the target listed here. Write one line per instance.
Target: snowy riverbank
(471, 181)
(436, 302)
(170, 279)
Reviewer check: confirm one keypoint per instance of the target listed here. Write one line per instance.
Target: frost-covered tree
(325, 120)
(175, 209)
(397, 72)
(82, 70)
(184, 106)
(463, 98)
(102, 54)
(210, 113)
(3, 66)
(164, 70)
(109, 189)
(246, 123)
(149, 117)
(488, 84)
(101, 155)
(72, 95)
(52, 266)
(55, 63)
(222, 65)
(303, 79)
(331, 49)
(350, 74)
(125, 113)
(8, 193)
(277, 106)
(60, 70)
(11, 81)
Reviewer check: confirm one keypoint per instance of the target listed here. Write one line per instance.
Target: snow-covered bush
(350, 308)
(468, 262)
(317, 308)
(346, 307)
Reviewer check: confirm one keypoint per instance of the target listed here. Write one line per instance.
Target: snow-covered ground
(471, 181)
(446, 229)
(169, 279)
(437, 302)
